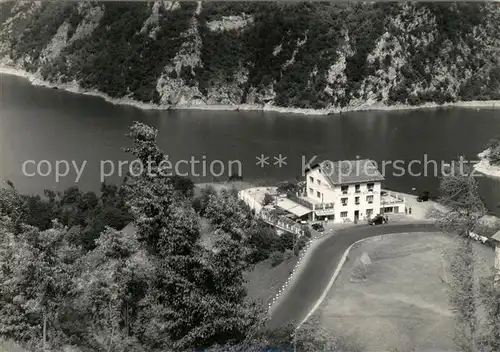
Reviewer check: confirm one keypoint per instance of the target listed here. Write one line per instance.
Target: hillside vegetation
(73, 275)
(303, 55)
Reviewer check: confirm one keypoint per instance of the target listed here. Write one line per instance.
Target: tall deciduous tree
(35, 281)
(225, 211)
(192, 301)
(461, 211)
(11, 205)
(462, 207)
(112, 278)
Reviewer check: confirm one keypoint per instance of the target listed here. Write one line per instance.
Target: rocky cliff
(303, 55)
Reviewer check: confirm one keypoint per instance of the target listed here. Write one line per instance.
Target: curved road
(313, 279)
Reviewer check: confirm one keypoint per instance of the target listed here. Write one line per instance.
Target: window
(311, 179)
(396, 209)
(318, 194)
(369, 199)
(356, 200)
(318, 181)
(370, 187)
(311, 191)
(357, 188)
(343, 214)
(369, 212)
(344, 189)
(344, 201)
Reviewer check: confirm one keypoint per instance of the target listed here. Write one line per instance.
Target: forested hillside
(305, 55)
(73, 275)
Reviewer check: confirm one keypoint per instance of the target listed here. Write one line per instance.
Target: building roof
(292, 207)
(345, 172)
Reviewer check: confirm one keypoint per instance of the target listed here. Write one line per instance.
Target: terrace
(392, 202)
(389, 198)
(311, 204)
(281, 222)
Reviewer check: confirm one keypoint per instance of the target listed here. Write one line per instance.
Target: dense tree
(75, 208)
(461, 214)
(288, 187)
(494, 155)
(183, 306)
(36, 280)
(152, 288)
(461, 206)
(112, 278)
(226, 212)
(200, 203)
(284, 55)
(268, 199)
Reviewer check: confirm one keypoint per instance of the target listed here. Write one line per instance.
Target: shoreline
(73, 87)
(484, 166)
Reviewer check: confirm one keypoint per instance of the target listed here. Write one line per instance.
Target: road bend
(305, 290)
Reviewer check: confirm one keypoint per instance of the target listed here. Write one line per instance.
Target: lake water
(46, 124)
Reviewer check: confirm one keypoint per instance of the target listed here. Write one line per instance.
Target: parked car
(424, 197)
(377, 220)
(318, 227)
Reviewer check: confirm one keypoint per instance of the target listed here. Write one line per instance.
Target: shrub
(286, 241)
(307, 232)
(197, 204)
(262, 240)
(276, 258)
(268, 199)
(493, 143)
(201, 202)
(494, 156)
(288, 254)
(288, 187)
(301, 243)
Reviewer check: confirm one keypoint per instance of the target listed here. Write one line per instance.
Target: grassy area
(7, 346)
(264, 281)
(392, 293)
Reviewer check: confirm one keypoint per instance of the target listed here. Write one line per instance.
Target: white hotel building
(348, 190)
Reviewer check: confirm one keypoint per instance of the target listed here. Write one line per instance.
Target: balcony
(324, 206)
(361, 192)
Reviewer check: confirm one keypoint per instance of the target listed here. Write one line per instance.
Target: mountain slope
(304, 55)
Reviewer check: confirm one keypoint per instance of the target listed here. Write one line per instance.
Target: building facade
(348, 191)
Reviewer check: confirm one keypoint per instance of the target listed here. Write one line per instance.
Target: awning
(292, 207)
